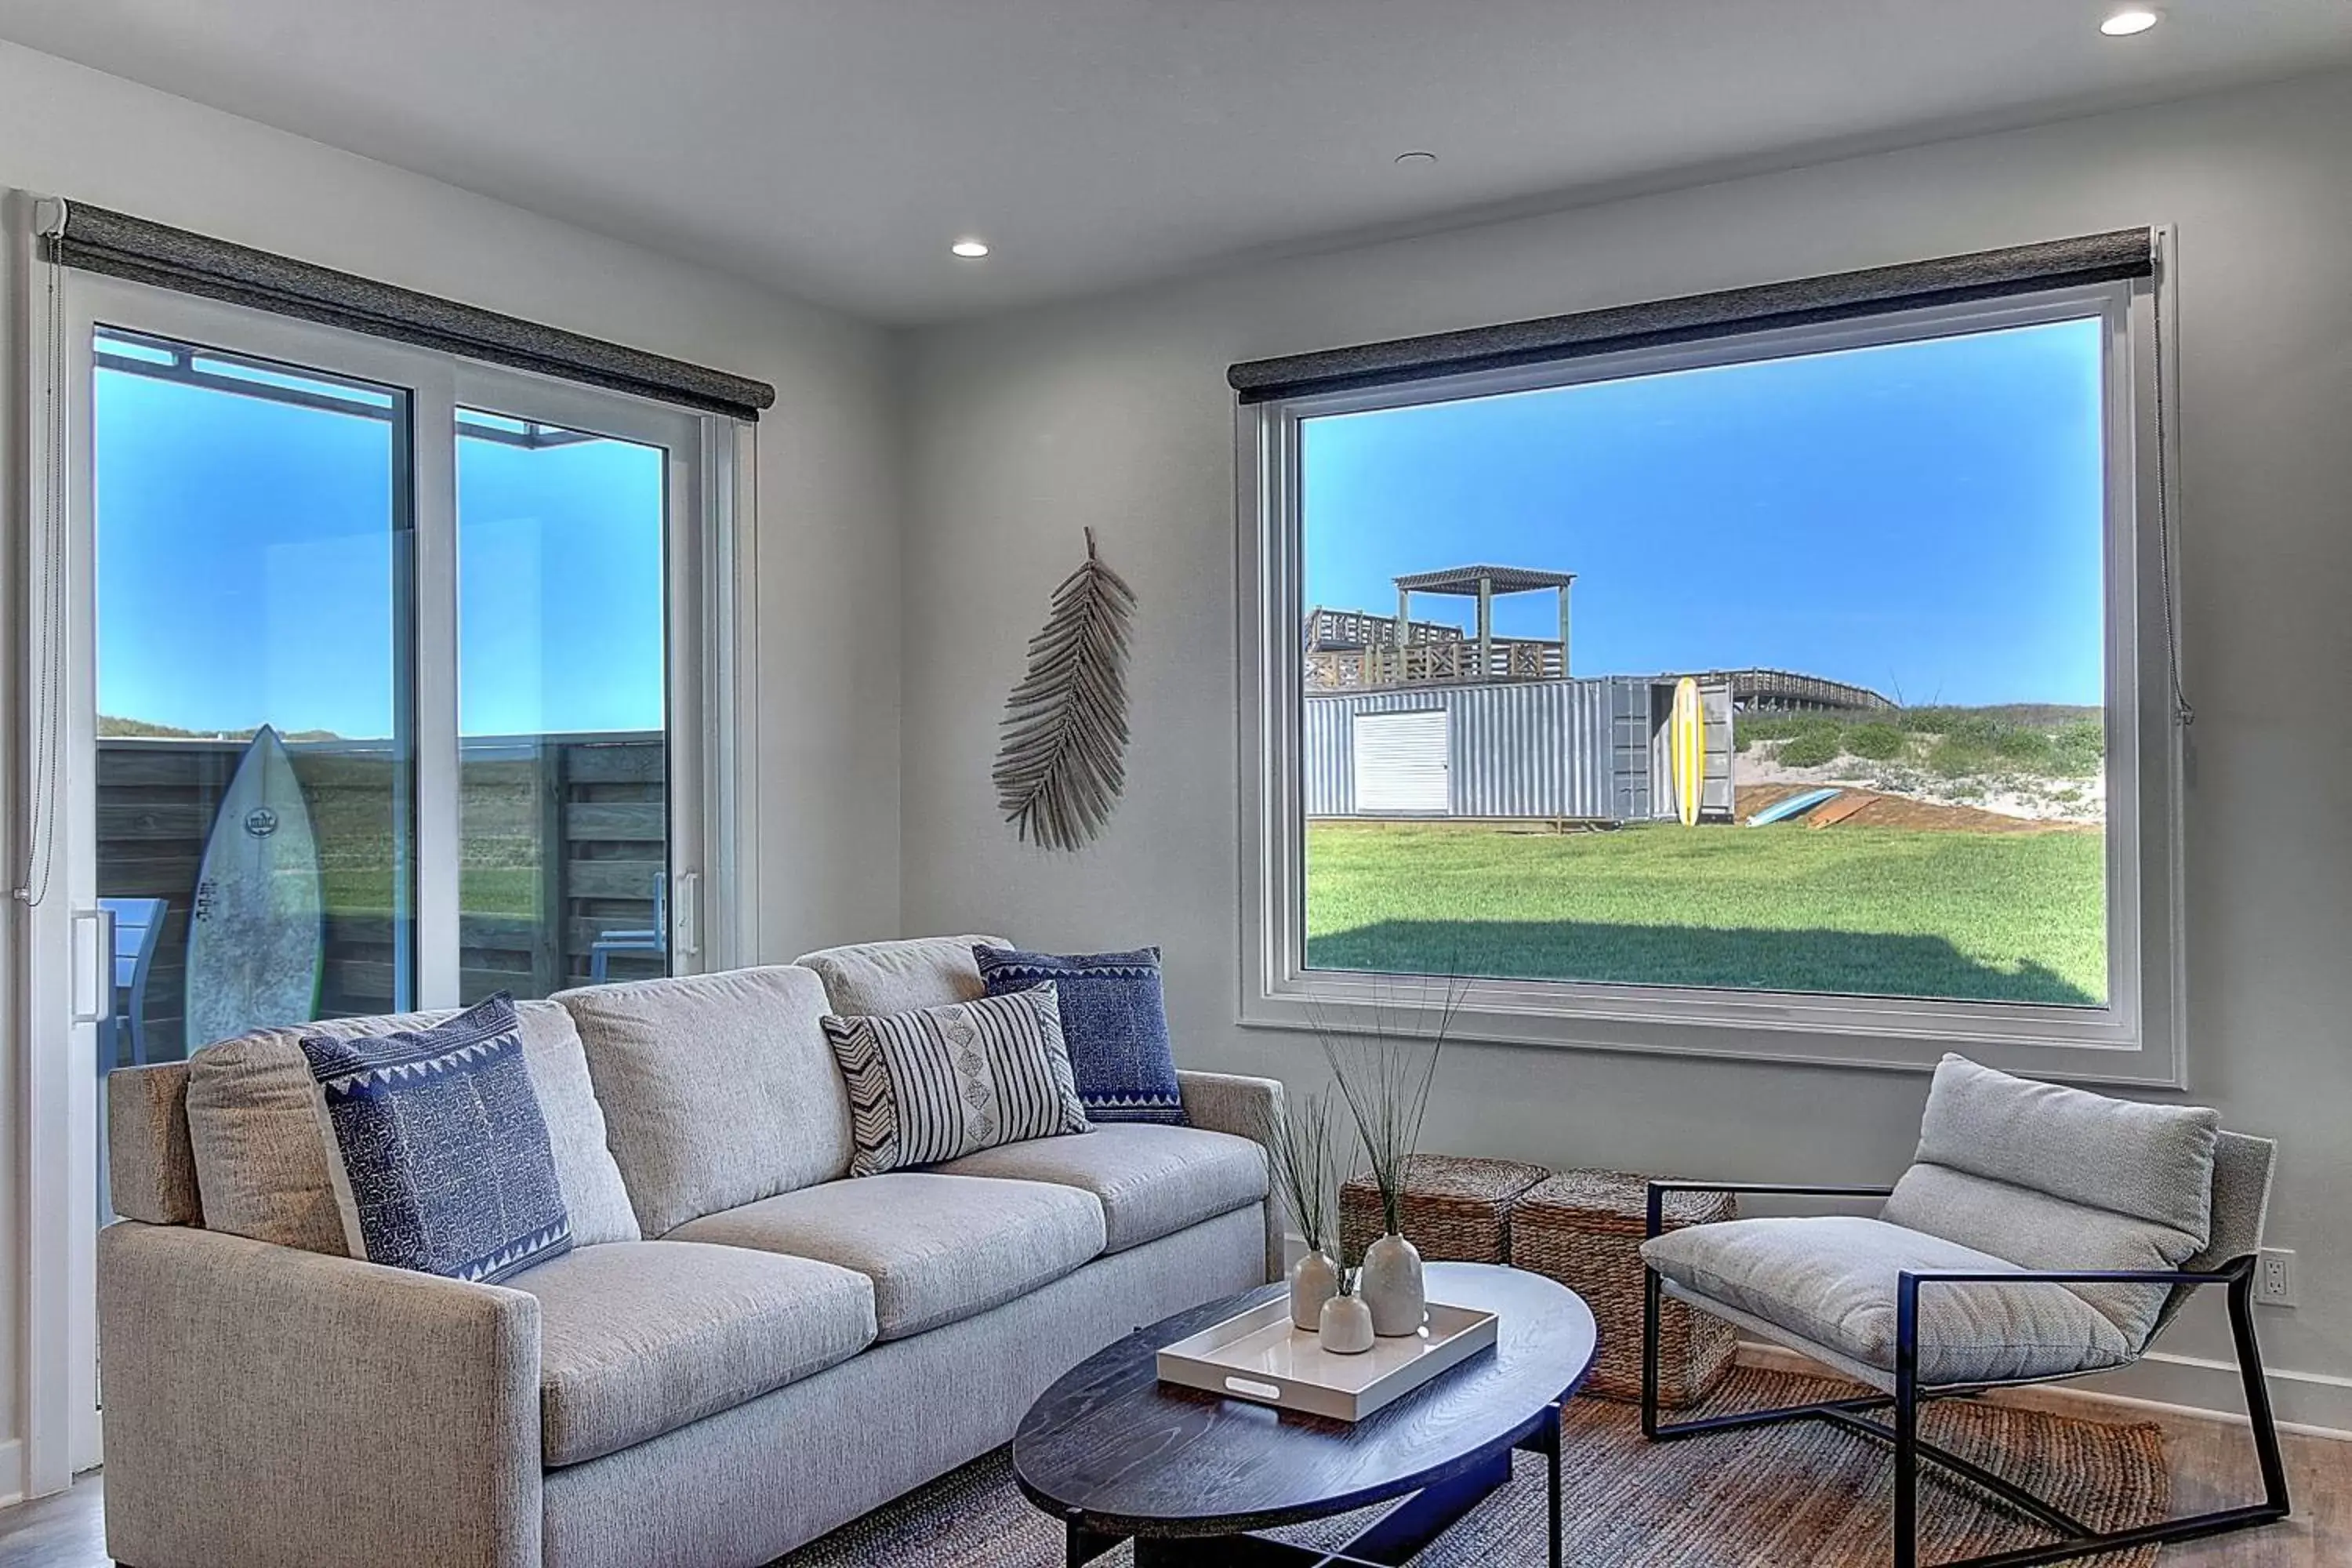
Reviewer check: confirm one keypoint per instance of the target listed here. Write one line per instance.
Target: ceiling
(834, 148)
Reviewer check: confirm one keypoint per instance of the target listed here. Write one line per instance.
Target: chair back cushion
(2049, 1177)
(717, 1089)
(2153, 1163)
(878, 977)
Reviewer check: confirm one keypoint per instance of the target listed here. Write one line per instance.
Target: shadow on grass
(1863, 964)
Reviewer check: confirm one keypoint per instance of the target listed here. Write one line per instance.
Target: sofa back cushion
(718, 1090)
(879, 977)
(259, 1148)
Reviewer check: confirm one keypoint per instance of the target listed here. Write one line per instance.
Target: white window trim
(2136, 1039)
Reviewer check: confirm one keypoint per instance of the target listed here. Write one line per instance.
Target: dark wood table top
(1110, 1448)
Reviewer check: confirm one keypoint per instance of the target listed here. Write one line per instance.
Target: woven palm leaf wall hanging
(1060, 766)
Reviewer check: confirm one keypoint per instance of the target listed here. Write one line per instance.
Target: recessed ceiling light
(1416, 157)
(970, 249)
(2123, 23)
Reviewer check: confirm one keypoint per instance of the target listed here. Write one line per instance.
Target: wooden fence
(562, 840)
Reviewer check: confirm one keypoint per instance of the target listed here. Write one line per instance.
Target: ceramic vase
(1313, 1279)
(1390, 1283)
(1345, 1326)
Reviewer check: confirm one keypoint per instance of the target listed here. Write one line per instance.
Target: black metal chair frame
(2077, 1540)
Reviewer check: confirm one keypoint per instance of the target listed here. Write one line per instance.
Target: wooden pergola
(1482, 584)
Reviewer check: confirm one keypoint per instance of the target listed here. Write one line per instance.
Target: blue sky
(1923, 518)
(246, 557)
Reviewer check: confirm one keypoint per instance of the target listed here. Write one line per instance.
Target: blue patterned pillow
(438, 1151)
(1114, 1020)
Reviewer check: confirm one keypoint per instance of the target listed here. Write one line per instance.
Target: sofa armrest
(1229, 1102)
(266, 1406)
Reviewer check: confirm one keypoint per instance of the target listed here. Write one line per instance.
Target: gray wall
(1113, 413)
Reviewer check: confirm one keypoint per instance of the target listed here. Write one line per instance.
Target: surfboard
(1796, 804)
(1686, 749)
(256, 946)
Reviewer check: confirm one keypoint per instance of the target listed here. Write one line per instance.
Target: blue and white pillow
(438, 1152)
(1114, 1020)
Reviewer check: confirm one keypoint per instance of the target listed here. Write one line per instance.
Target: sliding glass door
(562, 707)
(377, 684)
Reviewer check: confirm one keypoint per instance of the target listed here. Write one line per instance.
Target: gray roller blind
(1950, 280)
(97, 240)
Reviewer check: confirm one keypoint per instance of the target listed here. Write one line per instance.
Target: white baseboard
(2184, 1387)
(12, 1472)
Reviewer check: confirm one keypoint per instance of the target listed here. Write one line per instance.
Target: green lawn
(2014, 917)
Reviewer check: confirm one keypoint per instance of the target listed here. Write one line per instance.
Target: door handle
(686, 914)
(93, 965)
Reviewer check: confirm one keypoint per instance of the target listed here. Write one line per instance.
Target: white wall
(1113, 413)
(828, 504)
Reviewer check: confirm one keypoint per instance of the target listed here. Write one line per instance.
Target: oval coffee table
(1188, 1474)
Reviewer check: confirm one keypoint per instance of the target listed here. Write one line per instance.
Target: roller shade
(97, 240)
(1950, 280)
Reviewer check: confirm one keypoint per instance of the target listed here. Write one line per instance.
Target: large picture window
(1802, 691)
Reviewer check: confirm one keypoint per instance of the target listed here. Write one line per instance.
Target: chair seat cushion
(639, 1338)
(938, 1248)
(1153, 1181)
(1831, 1281)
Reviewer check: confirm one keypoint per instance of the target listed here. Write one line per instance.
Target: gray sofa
(744, 1351)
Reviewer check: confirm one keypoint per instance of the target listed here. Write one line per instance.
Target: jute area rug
(1778, 1497)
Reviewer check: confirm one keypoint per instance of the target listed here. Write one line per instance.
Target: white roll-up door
(1400, 762)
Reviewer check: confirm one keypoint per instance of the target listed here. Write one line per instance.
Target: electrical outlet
(2275, 1278)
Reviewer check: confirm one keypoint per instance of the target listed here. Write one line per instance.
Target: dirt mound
(1874, 808)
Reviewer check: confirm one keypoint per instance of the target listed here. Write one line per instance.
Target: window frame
(2137, 1038)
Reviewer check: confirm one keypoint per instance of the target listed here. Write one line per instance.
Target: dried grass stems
(1303, 1157)
(1384, 1073)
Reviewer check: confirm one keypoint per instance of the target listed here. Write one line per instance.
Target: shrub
(2028, 749)
(1812, 747)
(1879, 742)
(1955, 757)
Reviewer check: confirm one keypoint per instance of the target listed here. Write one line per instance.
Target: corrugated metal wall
(1577, 749)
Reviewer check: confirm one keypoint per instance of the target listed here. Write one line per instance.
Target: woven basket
(1585, 1230)
(1456, 1210)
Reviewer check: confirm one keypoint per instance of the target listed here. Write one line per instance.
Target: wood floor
(2210, 1463)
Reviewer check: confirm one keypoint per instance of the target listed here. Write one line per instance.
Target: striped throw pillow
(942, 1082)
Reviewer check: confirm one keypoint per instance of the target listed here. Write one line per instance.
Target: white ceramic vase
(1313, 1279)
(1390, 1283)
(1346, 1326)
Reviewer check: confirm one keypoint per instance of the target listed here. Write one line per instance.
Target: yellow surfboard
(1687, 750)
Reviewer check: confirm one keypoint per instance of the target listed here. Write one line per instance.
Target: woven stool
(1585, 1228)
(1456, 1210)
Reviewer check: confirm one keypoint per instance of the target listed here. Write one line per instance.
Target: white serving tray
(1262, 1357)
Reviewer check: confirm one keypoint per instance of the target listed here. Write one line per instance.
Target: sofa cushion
(1114, 1020)
(1152, 1181)
(436, 1147)
(638, 1338)
(260, 1155)
(942, 1082)
(1830, 1280)
(938, 1248)
(900, 976)
(717, 1089)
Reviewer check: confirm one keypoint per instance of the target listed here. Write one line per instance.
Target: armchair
(2043, 1234)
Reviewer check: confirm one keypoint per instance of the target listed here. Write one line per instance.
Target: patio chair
(2042, 1233)
(138, 932)
(654, 939)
